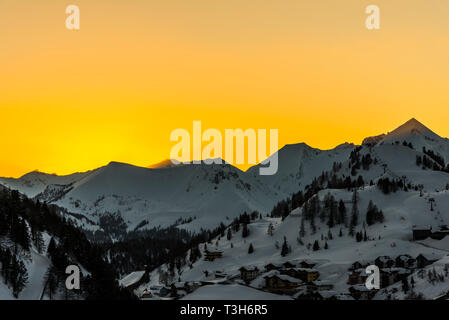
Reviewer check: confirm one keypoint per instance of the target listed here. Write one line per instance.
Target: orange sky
(114, 90)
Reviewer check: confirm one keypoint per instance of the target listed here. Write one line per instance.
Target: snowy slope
(298, 165)
(231, 292)
(402, 210)
(33, 183)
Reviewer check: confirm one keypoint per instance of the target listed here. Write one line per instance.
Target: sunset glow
(136, 70)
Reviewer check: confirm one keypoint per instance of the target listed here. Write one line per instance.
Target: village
(298, 279)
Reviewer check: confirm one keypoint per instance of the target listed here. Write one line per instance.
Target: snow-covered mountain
(201, 196)
(417, 134)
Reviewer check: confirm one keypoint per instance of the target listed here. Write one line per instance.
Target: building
(384, 262)
(441, 233)
(289, 265)
(357, 276)
(320, 285)
(388, 276)
(359, 265)
(361, 292)
(421, 232)
(212, 255)
(304, 274)
(424, 260)
(281, 283)
(272, 266)
(248, 274)
(307, 264)
(405, 261)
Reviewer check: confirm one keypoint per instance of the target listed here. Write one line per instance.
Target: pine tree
(284, 250)
(250, 249)
(316, 246)
(229, 235)
(342, 213)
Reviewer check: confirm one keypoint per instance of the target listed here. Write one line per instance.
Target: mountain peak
(407, 131)
(412, 127)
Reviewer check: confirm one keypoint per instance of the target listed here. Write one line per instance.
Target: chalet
(281, 283)
(441, 233)
(307, 264)
(320, 285)
(212, 255)
(421, 232)
(359, 265)
(305, 275)
(357, 276)
(424, 260)
(384, 262)
(272, 266)
(405, 261)
(134, 280)
(289, 265)
(388, 276)
(361, 292)
(248, 274)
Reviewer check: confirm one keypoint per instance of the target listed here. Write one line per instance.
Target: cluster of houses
(297, 279)
(300, 280)
(391, 271)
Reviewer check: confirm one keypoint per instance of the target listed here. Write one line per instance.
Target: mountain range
(198, 196)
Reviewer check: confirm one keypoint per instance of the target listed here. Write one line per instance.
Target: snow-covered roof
(422, 227)
(275, 273)
(322, 282)
(309, 270)
(254, 268)
(131, 278)
(404, 257)
(394, 270)
(428, 256)
(383, 258)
